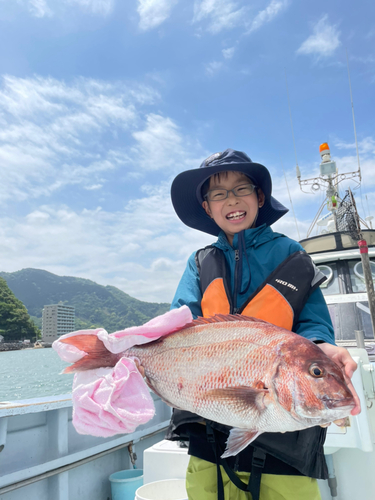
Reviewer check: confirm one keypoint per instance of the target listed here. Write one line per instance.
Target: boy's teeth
(235, 215)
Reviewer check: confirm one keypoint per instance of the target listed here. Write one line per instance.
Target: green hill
(15, 323)
(95, 305)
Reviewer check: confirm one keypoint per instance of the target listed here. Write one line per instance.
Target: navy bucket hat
(186, 190)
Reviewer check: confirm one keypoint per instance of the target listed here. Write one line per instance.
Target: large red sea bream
(238, 371)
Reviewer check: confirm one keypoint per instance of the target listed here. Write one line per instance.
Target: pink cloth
(70, 353)
(109, 401)
(158, 327)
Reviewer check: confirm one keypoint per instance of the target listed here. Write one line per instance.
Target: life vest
(278, 300)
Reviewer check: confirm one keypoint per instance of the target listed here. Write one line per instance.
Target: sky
(104, 102)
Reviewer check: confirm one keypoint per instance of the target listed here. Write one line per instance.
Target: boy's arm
(189, 291)
(314, 322)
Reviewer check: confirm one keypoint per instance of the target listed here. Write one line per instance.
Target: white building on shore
(57, 320)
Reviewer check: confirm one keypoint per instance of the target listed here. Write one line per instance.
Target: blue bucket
(125, 483)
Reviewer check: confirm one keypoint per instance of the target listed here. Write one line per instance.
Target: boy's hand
(140, 368)
(343, 359)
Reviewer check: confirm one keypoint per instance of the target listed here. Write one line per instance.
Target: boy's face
(235, 213)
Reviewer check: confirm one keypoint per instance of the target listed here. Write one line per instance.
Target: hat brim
(187, 199)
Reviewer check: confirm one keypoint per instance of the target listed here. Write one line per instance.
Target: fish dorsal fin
(224, 318)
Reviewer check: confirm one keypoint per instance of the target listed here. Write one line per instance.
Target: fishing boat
(43, 457)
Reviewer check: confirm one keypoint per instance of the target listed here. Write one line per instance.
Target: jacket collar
(253, 238)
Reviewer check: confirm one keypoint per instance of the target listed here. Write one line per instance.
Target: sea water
(32, 373)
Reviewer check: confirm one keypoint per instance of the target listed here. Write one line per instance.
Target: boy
(254, 271)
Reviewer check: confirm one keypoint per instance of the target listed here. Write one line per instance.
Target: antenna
(291, 123)
(368, 208)
(290, 199)
(355, 131)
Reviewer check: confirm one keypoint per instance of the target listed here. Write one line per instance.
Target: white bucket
(169, 489)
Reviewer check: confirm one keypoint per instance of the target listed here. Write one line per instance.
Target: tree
(15, 322)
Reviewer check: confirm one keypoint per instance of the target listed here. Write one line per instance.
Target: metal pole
(368, 280)
(335, 219)
(359, 339)
(355, 131)
(291, 203)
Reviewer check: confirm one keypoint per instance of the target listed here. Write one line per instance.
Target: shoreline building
(57, 319)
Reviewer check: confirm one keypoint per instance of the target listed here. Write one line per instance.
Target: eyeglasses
(222, 194)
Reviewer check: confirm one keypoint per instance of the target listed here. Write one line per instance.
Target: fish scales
(186, 367)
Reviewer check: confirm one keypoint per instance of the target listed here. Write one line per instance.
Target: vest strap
(215, 446)
(259, 459)
(257, 465)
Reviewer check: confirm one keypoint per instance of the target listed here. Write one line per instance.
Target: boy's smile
(235, 213)
(236, 216)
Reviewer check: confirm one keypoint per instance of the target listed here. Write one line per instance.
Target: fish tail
(96, 355)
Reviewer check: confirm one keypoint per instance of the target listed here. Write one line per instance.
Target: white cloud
(369, 60)
(268, 14)
(228, 14)
(324, 40)
(48, 8)
(39, 8)
(365, 146)
(161, 146)
(52, 134)
(152, 13)
(222, 14)
(213, 67)
(228, 53)
(100, 7)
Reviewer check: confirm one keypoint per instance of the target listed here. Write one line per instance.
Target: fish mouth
(238, 215)
(339, 403)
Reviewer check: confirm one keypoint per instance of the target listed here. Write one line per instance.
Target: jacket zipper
(236, 258)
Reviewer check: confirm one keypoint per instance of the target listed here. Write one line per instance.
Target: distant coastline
(17, 346)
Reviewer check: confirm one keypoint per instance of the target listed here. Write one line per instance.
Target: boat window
(322, 244)
(350, 316)
(356, 275)
(348, 242)
(331, 285)
(335, 241)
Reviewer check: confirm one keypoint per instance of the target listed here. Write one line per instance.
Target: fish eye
(315, 371)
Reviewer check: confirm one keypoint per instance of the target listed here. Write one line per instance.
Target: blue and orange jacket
(248, 268)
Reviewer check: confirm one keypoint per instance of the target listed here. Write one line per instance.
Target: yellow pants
(201, 484)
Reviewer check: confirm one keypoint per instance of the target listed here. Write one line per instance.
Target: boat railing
(38, 444)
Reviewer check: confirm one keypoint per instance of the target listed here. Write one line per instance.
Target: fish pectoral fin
(250, 396)
(238, 440)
